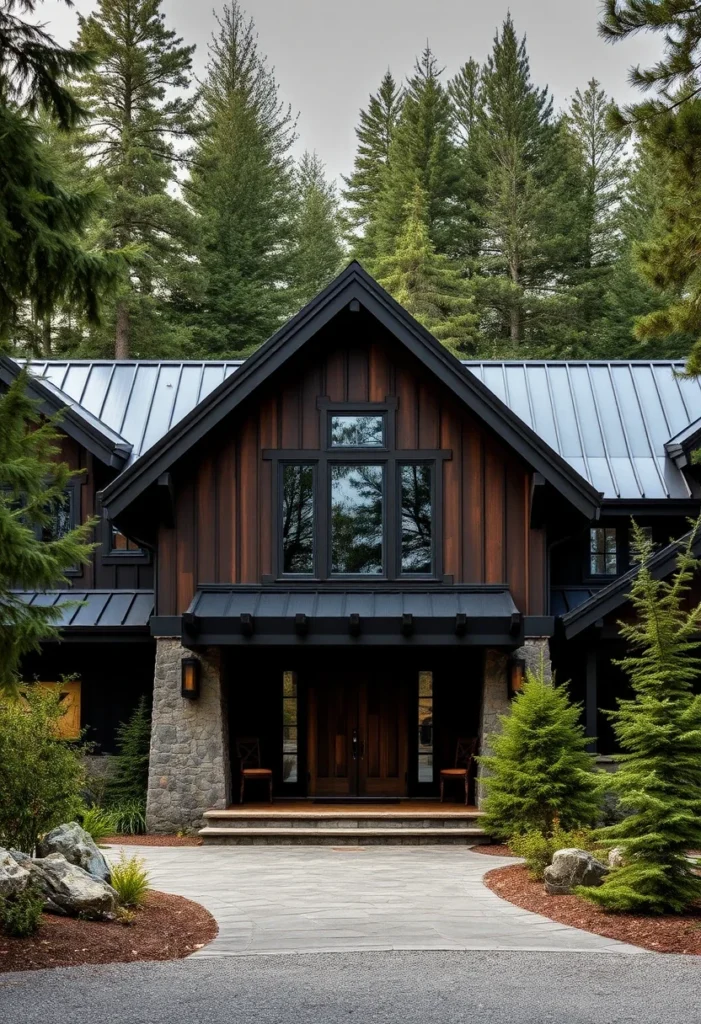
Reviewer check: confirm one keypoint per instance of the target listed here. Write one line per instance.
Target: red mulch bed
(166, 928)
(666, 934)
(153, 840)
(493, 849)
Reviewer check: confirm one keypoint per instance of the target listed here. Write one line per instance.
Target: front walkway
(277, 899)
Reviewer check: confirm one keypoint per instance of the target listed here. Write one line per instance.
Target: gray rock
(68, 889)
(78, 847)
(616, 857)
(571, 868)
(20, 857)
(13, 877)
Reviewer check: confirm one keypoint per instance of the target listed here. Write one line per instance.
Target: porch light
(190, 678)
(517, 673)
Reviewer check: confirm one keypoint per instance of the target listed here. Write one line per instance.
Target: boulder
(571, 868)
(13, 877)
(68, 889)
(78, 847)
(616, 857)
(20, 857)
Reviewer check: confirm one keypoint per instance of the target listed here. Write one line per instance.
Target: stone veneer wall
(495, 695)
(189, 768)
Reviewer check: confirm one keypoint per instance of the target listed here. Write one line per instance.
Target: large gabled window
(359, 508)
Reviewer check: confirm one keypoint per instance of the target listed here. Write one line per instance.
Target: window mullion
(392, 526)
(323, 525)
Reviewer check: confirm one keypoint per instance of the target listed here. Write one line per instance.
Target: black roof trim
(102, 442)
(352, 283)
(606, 600)
(680, 447)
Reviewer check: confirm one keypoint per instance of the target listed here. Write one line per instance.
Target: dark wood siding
(225, 490)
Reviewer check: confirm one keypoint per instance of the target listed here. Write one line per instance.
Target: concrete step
(300, 835)
(276, 819)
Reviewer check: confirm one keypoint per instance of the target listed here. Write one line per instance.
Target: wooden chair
(248, 753)
(464, 755)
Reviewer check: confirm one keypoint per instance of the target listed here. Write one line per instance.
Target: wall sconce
(517, 674)
(190, 678)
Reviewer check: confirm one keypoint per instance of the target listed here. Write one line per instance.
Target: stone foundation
(189, 760)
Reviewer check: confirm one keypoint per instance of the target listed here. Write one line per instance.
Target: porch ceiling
(358, 616)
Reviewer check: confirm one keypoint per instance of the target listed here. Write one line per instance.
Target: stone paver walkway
(277, 899)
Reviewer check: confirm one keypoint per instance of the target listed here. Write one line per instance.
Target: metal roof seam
(107, 389)
(175, 395)
(131, 392)
(607, 455)
(578, 425)
(624, 431)
(552, 406)
(651, 446)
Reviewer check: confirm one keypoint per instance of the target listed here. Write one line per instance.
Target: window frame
(599, 576)
(73, 489)
(391, 458)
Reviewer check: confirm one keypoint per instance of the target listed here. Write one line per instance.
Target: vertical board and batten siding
(224, 491)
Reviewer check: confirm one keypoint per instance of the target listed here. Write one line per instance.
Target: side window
(62, 517)
(120, 544)
(603, 554)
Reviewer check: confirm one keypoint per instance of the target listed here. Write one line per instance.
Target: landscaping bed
(671, 933)
(152, 840)
(165, 928)
(493, 849)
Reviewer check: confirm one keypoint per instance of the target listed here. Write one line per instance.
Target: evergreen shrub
(20, 915)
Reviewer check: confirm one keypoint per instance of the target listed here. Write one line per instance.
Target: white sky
(329, 56)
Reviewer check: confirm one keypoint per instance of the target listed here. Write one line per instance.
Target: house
(351, 545)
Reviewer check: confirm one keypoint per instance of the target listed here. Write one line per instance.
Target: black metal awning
(325, 616)
(110, 612)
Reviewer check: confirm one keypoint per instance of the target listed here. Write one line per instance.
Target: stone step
(345, 836)
(279, 818)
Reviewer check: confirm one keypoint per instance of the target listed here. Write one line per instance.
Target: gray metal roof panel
(96, 609)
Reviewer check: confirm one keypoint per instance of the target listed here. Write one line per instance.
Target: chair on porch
(248, 753)
(464, 756)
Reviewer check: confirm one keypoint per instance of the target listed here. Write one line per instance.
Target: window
(357, 431)
(602, 551)
(357, 520)
(298, 519)
(61, 517)
(290, 727)
(119, 543)
(417, 519)
(425, 745)
(633, 552)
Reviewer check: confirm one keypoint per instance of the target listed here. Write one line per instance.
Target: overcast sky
(329, 56)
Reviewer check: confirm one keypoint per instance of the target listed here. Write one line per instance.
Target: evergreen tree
(365, 185)
(427, 285)
(658, 778)
(32, 499)
(539, 771)
(130, 779)
(464, 92)
(242, 188)
(467, 104)
(421, 153)
(318, 251)
(134, 94)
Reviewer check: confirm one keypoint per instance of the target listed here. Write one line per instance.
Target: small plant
(131, 880)
(125, 916)
(130, 780)
(129, 818)
(538, 848)
(20, 916)
(99, 823)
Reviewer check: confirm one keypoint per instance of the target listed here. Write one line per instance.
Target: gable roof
(80, 424)
(353, 284)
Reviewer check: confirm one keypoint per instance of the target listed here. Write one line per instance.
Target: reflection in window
(425, 767)
(357, 519)
(120, 543)
(602, 551)
(417, 549)
(633, 549)
(357, 431)
(60, 520)
(298, 519)
(290, 726)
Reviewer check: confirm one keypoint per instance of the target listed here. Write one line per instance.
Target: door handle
(357, 747)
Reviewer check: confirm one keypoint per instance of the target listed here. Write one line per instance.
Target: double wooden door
(357, 734)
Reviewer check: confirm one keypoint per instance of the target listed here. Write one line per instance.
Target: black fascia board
(352, 284)
(111, 452)
(641, 508)
(680, 447)
(606, 600)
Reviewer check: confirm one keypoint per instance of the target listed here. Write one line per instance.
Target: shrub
(130, 779)
(539, 771)
(129, 818)
(21, 915)
(42, 775)
(538, 848)
(99, 822)
(131, 880)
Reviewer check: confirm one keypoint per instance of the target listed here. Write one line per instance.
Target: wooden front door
(357, 735)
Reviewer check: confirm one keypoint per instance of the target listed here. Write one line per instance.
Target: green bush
(539, 771)
(538, 848)
(129, 818)
(131, 880)
(130, 779)
(42, 776)
(21, 915)
(99, 822)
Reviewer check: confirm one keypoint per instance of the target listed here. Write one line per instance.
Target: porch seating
(248, 753)
(464, 756)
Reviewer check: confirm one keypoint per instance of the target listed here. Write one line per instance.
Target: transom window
(360, 507)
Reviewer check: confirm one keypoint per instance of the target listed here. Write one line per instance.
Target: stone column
(189, 769)
(536, 654)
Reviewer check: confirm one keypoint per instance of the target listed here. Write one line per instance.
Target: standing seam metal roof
(609, 420)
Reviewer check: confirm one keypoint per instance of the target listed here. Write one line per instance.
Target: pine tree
(426, 284)
(242, 188)
(139, 115)
(464, 92)
(130, 779)
(466, 97)
(318, 251)
(658, 778)
(367, 181)
(32, 494)
(539, 773)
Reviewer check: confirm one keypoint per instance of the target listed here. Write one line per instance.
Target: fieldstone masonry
(495, 694)
(189, 761)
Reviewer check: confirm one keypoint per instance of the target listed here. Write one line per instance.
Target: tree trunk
(515, 310)
(46, 337)
(121, 343)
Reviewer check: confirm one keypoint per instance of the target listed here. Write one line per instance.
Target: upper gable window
(357, 431)
(603, 555)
